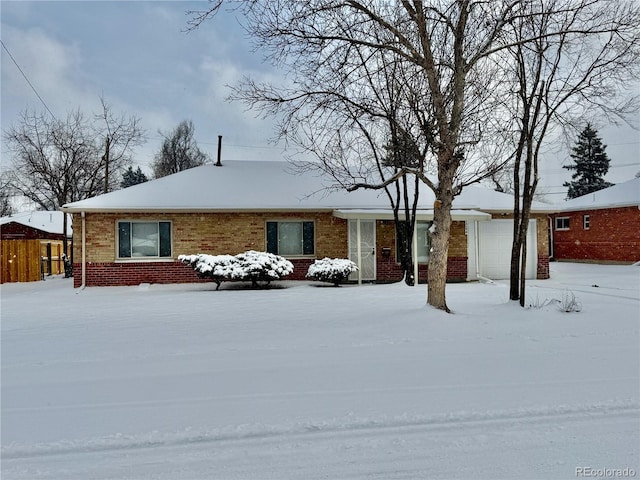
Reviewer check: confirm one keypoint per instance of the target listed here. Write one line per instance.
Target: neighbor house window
(586, 222)
(144, 239)
(290, 238)
(562, 223)
(423, 241)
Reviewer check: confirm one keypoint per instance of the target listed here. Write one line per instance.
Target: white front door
(363, 253)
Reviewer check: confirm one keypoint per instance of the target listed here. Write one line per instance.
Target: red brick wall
(543, 267)
(135, 273)
(387, 270)
(613, 235)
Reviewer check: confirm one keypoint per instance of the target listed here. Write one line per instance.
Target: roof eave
(599, 207)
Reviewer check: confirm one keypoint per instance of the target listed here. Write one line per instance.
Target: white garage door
(494, 240)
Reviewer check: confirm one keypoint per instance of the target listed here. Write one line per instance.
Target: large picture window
(290, 238)
(423, 241)
(144, 239)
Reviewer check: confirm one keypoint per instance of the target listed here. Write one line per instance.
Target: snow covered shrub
(262, 266)
(218, 268)
(332, 270)
(249, 266)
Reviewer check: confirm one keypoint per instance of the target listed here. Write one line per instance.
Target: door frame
(358, 247)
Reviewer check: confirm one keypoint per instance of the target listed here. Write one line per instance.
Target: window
(423, 240)
(562, 223)
(586, 222)
(290, 238)
(144, 239)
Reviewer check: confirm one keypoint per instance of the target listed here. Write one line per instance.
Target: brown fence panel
(20, 261)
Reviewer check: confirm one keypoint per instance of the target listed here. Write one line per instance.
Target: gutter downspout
(480, 277)
(84, 251)
(551, 252)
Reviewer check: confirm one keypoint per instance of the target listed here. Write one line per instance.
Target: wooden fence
(30, 260)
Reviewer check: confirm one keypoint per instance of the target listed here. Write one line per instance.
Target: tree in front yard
(591, 164)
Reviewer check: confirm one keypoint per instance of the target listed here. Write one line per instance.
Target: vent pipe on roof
(219, 163)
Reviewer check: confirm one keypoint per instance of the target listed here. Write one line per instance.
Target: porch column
(359, 251)
(415, 253)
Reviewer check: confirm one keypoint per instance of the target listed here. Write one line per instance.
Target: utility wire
(27, 79)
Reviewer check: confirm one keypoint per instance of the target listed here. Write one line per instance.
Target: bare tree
(55, 161)
(119, 135)
(370, 144)
(179, 151)
(6, 193)
(576, 62)
(446, 44)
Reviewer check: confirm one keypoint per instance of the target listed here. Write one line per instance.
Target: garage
(494, 239)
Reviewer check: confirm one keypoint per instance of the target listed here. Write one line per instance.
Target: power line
(27, 79)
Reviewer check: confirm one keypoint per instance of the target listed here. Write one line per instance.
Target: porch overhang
(421, 215)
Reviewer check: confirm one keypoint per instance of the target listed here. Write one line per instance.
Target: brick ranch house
(603, 226)
(135, 235)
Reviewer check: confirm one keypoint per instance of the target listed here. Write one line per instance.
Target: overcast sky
(138, 56)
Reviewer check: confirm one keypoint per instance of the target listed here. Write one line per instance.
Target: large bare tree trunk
(436, 289)
(437, 275)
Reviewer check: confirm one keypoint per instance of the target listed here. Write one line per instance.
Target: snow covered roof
(625, 194)
(47, 221)
(255, 185)
(387, 214)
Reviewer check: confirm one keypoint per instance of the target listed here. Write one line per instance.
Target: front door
(365, 256)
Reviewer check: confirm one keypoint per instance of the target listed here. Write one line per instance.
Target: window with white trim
(423, 239)
(291, 238)
(144, 239)
(562, 223)
(586, 222)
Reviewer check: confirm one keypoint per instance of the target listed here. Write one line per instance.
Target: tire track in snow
(307, 394)
(348, 427)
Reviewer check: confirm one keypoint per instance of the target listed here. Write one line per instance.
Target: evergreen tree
(591, 164)
(133, 177)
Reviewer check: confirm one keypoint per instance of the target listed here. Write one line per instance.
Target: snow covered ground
(308, 381)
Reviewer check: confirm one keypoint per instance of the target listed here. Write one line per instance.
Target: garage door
(494, 239)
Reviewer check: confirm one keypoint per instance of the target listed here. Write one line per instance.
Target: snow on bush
(262, 266)
(251, 265)
(332, 270)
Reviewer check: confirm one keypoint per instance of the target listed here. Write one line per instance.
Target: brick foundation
(135, 273)
(388, 270)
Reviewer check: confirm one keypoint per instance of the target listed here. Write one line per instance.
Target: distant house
(603, 226)
(135, 235)
(32, 245)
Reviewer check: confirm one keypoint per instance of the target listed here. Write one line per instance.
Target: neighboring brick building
(135, 235)
(603, 226)
(32, 244)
